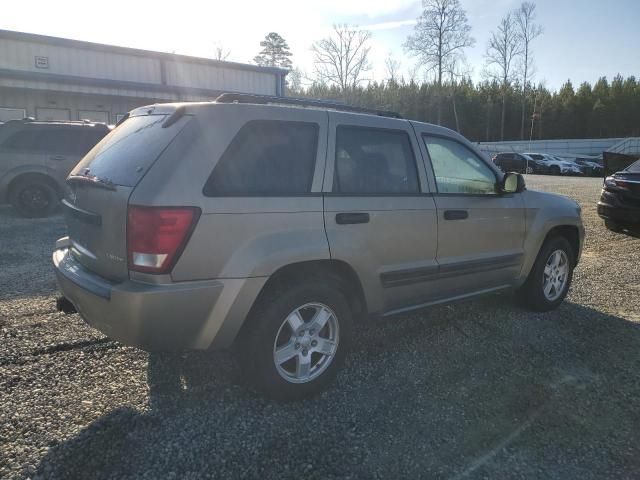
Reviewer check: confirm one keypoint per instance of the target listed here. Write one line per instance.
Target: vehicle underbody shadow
(464, 390)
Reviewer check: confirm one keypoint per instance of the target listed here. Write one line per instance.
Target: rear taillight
(156, 236)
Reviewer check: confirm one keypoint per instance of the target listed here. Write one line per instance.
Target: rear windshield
(634, 167)
(125, 155)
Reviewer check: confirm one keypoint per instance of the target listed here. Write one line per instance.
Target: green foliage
(275, 52)
(602, 110)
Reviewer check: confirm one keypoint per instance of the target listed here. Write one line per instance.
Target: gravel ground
(481, 389)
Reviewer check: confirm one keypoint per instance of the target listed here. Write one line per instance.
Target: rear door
(379, 215)
(480, 232)
(100, 186)
(19, 149)
(62, 148)
(507, 162)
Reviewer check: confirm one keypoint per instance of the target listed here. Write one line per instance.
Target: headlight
(610, 182)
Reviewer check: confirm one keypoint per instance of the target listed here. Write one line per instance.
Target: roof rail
(301, 102)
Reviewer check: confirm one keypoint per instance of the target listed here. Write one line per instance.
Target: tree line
(506, 105)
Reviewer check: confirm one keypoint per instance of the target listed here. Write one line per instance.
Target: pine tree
(275, 52)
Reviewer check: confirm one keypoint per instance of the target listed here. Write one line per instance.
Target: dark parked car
(518, 162)
(37, 156)
(619, 203)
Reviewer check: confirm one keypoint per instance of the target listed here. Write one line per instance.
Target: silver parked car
(37, 156)
(555, 165)
(274, 226)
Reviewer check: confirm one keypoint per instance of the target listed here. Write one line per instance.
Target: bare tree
(414, 72)
(457, 69)
(392, 67)
(220, 52)
(502, 51)
(343, 58)
(440, 36)
(528, 31)
(294, 80)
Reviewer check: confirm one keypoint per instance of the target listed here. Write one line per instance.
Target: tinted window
(23, 140)
(370, 160)
(267, 158)
(61, 140)
(457, 169)
(72, 141)
(129, 150)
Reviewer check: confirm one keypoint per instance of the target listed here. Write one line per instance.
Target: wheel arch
(19, 177)
(571, 233)
(340, 271)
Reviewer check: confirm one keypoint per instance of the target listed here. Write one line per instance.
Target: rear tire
(34, 198)
(285, 325)
(554, 170)
(549, 281)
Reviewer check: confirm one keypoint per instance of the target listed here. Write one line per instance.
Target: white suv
(556, 165)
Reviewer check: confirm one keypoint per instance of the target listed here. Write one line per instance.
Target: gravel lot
(481, 389)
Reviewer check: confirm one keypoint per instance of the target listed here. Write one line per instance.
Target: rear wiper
(98, 182)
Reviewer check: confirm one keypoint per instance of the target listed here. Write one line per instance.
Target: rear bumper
(611, 207)
(158, 317)
(625, 216)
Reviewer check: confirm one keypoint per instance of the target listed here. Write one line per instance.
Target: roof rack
(301, 102)
(66, 122)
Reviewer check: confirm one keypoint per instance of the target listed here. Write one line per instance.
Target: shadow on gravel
(474, 390)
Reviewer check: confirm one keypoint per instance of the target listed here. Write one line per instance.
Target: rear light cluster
(156, 236)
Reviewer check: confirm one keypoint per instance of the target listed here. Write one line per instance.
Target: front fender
(544, 212)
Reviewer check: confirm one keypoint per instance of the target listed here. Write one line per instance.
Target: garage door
(7, 114)
(93, 115)
(53, 114)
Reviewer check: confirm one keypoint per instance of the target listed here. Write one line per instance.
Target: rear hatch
(628, 184)
(101, 184)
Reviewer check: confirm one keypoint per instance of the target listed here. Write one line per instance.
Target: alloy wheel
(306, 343)
(556, 274)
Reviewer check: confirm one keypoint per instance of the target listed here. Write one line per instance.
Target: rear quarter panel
(239, 236)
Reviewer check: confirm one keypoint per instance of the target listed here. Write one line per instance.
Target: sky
(582, 40)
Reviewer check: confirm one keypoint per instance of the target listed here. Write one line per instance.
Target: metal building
(53, 78)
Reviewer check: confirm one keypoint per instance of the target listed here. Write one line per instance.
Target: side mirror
(512, 183)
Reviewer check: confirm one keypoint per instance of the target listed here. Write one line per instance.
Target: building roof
(100, 47)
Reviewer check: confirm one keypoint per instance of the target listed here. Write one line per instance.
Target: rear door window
(124, 156)
(266, 157)
(21, 141)
(374, 161)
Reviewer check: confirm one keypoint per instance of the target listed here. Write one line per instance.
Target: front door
(379, 215)
(480, 231)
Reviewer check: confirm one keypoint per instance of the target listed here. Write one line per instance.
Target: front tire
(551, 275)
(295, 341)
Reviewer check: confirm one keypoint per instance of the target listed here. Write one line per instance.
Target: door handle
(455, 214)
(57, 158)
(351, 218)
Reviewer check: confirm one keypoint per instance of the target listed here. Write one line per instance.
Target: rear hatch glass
(100, 187)
(125, 155)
